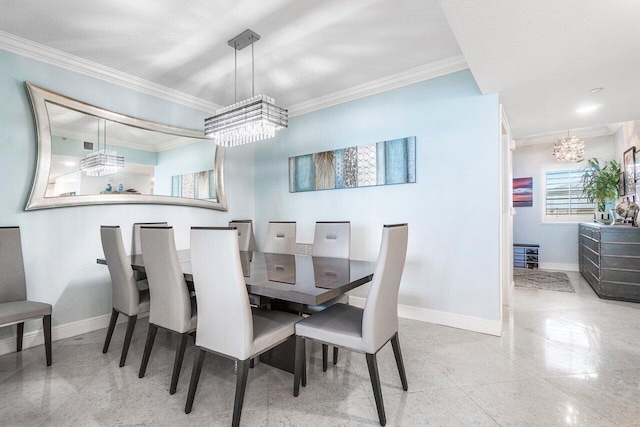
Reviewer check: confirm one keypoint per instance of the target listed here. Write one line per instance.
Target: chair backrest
(169, 296)
(136, 246)
(225, 322)
(13, 285)
(332, 239)
(126, 296)
(281, 238)
(380, 318)
(247, 241)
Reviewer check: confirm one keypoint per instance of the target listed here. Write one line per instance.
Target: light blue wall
(73, 147)
(196, 157)
(61, 245)
(452, 209)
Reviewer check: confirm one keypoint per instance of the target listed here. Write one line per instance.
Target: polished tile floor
(564, 359)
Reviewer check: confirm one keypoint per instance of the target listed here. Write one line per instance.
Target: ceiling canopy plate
(246, 38)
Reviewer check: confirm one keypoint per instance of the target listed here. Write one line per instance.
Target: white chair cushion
(15, 311)
(313, 309)
(194, 315)
(143, 285)
(339, 325)
(143, 306)
(271, 327)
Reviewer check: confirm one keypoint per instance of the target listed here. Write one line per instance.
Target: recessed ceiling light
(69, 163)
(596, 89)
(588, 108)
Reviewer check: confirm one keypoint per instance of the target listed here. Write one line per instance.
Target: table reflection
(329, 272)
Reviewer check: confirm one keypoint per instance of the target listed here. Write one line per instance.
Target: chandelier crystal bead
(251, 120)
(569, 149)
(102, 161)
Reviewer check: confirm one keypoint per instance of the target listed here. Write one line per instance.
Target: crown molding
(548, 138)
(403, 78)
(58, 58)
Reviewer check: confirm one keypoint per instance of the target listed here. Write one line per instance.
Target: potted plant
(600, 185)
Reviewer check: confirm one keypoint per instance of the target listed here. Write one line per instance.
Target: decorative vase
(603, 217)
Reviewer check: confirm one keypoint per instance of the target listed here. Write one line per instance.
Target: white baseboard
(475, 324)
(559, 266)
(59, 332)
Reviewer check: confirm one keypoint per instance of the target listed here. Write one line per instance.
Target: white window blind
(563, 194)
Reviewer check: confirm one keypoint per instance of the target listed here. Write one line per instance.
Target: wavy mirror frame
(40, 96)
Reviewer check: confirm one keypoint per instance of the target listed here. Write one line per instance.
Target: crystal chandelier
(102, 162)
(569, 149)
(251, 120)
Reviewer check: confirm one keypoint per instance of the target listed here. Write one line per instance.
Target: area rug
(536, 279)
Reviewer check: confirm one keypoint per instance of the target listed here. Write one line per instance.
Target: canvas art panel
(378, 163)
(522, 192)
(198, 185)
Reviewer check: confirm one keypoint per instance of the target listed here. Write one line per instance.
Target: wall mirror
(91, 156)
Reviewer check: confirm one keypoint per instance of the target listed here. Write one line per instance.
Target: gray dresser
(610, 260)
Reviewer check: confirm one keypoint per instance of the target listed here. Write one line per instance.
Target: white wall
(61, 245)
(558, 242)
(451, 271)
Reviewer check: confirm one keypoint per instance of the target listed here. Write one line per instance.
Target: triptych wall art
(199, 185)
(379, 163)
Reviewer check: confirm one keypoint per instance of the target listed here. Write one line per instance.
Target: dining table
(292, 280)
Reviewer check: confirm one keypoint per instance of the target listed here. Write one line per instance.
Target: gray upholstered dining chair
(127, 296)
(136, 246)
(281, 237)
(364, 330)
(15, 309)
(247, 241)
(331, 239)
(227, 325)
(171, 306)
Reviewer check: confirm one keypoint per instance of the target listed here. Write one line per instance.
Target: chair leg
(372, 363)
(19, 334)
(304, 365)
(325, 351)
(112, 326)
(335, 355)
(131, 324)
(241, 386)
(198, 361)
(151, 336)
(395, 343)
(177, 364)
(46, 324)
(299, 362)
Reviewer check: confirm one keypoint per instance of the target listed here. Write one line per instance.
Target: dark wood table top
(296, 278)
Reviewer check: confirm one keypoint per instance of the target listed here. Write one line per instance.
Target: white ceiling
(544, 56)
(308, 48)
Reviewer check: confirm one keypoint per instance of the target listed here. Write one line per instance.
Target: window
(563, 198)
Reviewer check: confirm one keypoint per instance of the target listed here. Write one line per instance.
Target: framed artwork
(629, 168)
(621, 188)
(199, 185)
(378, 163)
(522, 192)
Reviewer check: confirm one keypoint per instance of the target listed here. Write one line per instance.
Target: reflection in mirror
(87, 155)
